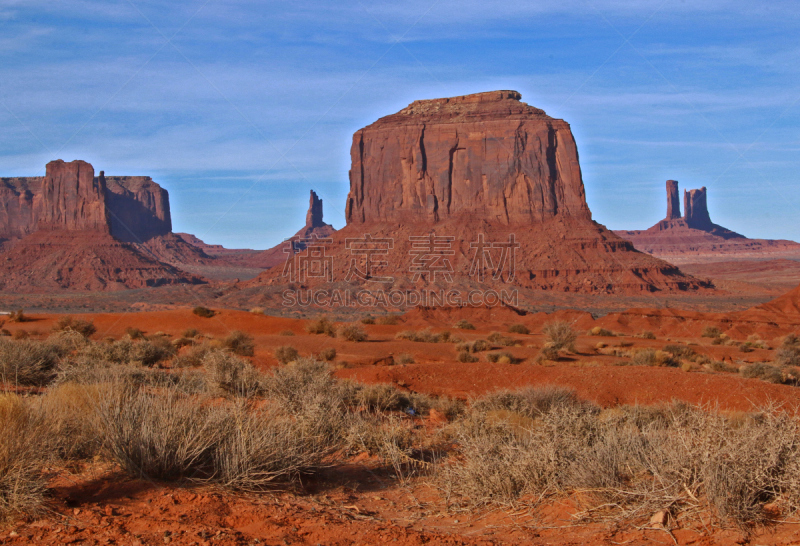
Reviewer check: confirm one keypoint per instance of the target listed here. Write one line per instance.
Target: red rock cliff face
(138, 207)
(16, 206)
(71, 199)
(487, 154)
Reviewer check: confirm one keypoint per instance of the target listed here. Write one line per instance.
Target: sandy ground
(360, 502)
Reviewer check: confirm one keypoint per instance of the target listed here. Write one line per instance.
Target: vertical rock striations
(71, 199)
(487, 155)
(695, 209)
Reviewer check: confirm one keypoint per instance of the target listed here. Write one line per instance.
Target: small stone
(659, 518)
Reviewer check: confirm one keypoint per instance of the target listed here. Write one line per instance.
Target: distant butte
(693, 237)
(70, 230)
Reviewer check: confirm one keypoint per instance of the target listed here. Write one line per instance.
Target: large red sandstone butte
(486, 154)
(72, 230)
(472, 174)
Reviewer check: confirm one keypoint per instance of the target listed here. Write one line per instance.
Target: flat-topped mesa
(487, 156)
(695, 207)
(314, 214)
(673, 200)
(71, 199)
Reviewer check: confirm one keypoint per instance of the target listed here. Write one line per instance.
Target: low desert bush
(134, 333)
(404, 358)
(192, 356)
(653, 357)
(497, 338)
(519, 329)
(327, 354)
(548, 352)
(239, 343)
(287, 333)
(501, 358)
(84, 327)
(163, 435)
(464, 356)
(353, 332)
(226, 373)
(598, 331)
(765, 372)
(368, 320)
(203, 312)
(629, 460)
(143, 352)
(425, 336)
(23, 453)
(387, 320)
(28, 362)
(477, 346)
(647, 334)
(464, 324)
(787, 356)
(711, 331)
(257, 310)
(70, 411)
(20, 334)
(263, 446)
(191, 333)
(286, 354)
(321, 326)
(680, 351)
(18, 316)
(560, 334)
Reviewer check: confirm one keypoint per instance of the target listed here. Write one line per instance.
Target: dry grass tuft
(23, 453)
(560, 335)
(321, 326)
(84, 327)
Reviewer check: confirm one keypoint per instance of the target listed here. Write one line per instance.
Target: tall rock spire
(695, 208)
(314, 214)
(673, 200)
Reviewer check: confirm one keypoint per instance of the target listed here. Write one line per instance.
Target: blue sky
(239, 107)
